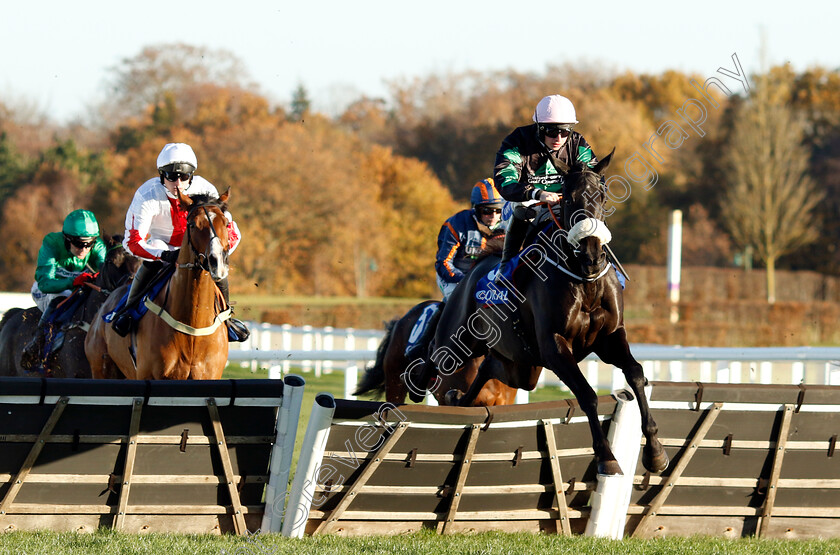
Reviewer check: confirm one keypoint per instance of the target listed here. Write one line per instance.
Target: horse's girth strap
(184, 328)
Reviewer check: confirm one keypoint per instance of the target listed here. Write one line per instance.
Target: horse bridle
(202, 259)
(575, 250)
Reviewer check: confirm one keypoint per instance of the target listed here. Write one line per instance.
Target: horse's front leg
(562, 362)
(616, 351)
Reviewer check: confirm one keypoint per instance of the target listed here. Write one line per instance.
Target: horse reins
(202, 258)
(560, 266)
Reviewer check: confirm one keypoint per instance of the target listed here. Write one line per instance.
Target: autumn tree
(770, 200)
(13, 167)
(65, 179)
(142, 81)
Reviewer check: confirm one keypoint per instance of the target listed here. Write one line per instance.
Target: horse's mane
(204, 199)
(115, 254)
(493, 246)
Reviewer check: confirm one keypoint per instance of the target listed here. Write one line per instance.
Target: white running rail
(319, 349)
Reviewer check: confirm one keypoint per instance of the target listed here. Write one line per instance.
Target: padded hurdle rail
(145, 456)
(745, 460)
(380, 468)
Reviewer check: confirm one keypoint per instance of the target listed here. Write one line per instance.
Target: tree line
(351, 204)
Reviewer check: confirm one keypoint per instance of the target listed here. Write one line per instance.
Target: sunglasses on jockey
(176, 176)
(555, 130)
(81, 244)
(488, 210)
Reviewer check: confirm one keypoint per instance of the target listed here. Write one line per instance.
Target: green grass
(114, 543)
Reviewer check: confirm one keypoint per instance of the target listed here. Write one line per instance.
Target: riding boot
(123, 321)
(33, 351)
(514, 238)
(237, 330)
(420, 347)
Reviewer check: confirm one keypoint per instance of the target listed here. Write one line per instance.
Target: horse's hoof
(609, 468)
(416, 397)
(655, 463)
(452, 397)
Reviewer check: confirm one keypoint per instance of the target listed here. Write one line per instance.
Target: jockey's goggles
(488, 210)
(554, 130)
(176, 176)
(81, 244)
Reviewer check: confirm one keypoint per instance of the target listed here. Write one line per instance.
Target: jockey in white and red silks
(155, 225)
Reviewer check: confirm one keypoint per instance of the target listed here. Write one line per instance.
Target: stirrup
(122, 324)
(237, 330)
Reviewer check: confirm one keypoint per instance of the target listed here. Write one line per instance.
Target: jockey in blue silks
(462, 237)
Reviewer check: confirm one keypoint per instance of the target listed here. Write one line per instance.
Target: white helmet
(555, 109)
(177, 157)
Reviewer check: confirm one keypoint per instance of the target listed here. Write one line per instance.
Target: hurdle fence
(146, 456)
(746, 460)
(216, 457)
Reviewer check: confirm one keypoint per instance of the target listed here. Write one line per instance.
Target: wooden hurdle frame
(378, 468)
(745, 460)
(143, 456)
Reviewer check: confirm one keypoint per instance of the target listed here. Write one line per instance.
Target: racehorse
(19, 324)
(568, 305)
(184, 335)
(391, 363)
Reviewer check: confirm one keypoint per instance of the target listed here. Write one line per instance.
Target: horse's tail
(8, 316)
(374, 378)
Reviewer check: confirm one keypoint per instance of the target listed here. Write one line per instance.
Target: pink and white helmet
(555, 109)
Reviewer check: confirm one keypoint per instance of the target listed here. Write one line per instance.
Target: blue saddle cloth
(140, 309)
(56, 321)
(64, 314)
(490, 292)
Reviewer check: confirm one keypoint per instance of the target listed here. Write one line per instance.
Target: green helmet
(80, 223)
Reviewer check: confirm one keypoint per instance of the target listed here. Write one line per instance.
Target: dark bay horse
(18, 324)
(565, 303)
(184, 334)
(391, 363)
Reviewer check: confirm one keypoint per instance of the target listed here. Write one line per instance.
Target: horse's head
(206, 239)
(584, 196)
(119, 264)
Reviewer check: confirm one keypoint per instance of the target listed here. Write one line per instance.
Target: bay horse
(19, 324)
(565, 302)
(388, 369)
(184, 335)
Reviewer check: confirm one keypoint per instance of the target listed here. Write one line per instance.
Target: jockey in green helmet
(67, 259)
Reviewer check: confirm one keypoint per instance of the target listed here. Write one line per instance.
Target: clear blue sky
(56, 55)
